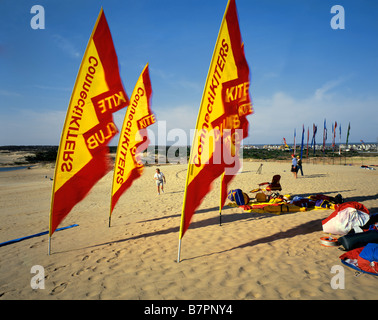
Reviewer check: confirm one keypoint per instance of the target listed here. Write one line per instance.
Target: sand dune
(251, 256)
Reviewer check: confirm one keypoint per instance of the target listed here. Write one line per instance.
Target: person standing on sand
(160, 180)
(294, 167)
(299, 164)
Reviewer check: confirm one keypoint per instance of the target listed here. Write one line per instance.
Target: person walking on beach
(299, 164)
(160, 180)
(294, 165)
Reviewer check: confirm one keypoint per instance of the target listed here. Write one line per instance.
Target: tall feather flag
(303, 132)
(221, 122)
(308, 138)
(285, 145)
(133, 139)
(334, 136)
(82, 157)
(324, 135)
(347, 137)
(314, 130)
(339, 139)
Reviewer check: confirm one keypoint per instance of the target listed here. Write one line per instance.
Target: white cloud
(320, 93)
(160, 73)
(66, 45)
(52, 88)
(190, 85)
(7, 93)
(277, 116)
(172, 124)
(26, 127)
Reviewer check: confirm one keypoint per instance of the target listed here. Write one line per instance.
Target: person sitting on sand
(160, 180)
(294, 168)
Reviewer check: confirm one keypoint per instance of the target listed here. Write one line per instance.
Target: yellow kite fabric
(221, 122)
(83, 151)
(133, 138)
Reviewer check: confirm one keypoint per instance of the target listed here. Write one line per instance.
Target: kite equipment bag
(238, 196)
(357, 240)
(346, 217)
(364, 259)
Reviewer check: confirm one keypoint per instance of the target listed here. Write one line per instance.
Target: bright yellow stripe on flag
(81, 117)
(210, 109)
(222, 69)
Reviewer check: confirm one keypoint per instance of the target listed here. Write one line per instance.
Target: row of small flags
(313, 140)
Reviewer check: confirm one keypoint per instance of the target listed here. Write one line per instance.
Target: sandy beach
(251, 256)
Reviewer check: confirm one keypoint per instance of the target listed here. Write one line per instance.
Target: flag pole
(111, 193)
(54, 182)
(111, 198)
(183, 206)
(220, 199)
(49, 245)
(179, 251)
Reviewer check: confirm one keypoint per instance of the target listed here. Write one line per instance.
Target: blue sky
(302, 70)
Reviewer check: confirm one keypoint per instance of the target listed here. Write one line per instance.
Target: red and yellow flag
(83, 151)
(221, 122)
(133, 138)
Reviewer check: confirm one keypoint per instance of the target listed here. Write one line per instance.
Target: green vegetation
(276, 154)
(41, 153)
(265, 154)
(43, 156)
